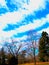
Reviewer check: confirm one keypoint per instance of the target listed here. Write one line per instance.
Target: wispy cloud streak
(17, 17)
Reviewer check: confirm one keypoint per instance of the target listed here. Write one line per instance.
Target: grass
(40, 63)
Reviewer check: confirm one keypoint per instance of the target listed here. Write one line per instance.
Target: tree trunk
(34, 57)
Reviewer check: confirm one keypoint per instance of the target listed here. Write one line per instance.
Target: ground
(39, 63)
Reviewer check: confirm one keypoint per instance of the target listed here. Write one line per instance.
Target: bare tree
(31, 50)
(34, 52)
(32, 45)
(13, 48)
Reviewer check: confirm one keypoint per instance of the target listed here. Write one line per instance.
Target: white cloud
(10, 18)
(13, 17)
(22, 38)
(31, 6)
(16, 16)
(34, 5)
(37, 23)
(47, 18)
(0, 46)
(6, 34)
(2, 2)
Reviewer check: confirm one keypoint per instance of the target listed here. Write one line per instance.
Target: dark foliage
(44, 47)
(13, 61)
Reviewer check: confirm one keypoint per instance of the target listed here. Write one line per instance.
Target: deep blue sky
(20, 18)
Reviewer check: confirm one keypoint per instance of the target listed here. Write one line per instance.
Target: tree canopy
(44, 47)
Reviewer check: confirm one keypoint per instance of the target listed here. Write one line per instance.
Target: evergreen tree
(44, 47)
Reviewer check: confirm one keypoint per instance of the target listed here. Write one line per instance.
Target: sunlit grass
(39, 63)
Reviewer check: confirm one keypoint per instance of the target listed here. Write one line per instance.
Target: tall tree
(2, 56)
(13, 50)
(44, 47)
(33, 46)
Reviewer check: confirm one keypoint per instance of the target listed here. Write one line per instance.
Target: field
(40, 63)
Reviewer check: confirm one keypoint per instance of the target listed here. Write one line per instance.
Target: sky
(20, 18)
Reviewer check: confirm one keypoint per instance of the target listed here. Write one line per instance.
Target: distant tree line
(14, 56)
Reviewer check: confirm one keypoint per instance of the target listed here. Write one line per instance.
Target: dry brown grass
(38, 63)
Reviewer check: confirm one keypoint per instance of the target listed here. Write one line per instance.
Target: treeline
(13, 54)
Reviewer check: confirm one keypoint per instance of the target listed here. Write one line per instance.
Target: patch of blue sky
(21, 34)
(28, 19)
(37, 15)
(37, 51)
(27, 40)
(44, 26)
(10, 27)
(42, 13)
(28, 33)
(12, 7)
(26, 1)
(3, 10)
